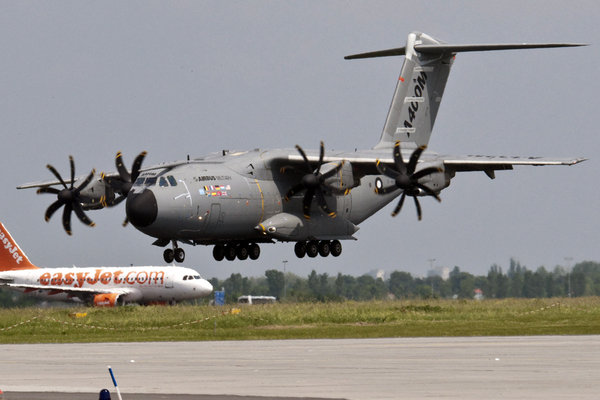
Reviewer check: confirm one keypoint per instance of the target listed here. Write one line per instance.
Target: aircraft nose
(141, 208)
(205, 287)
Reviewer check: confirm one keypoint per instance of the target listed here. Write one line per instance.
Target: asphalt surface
(535, 367)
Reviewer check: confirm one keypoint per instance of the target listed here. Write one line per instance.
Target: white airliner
(102, 286)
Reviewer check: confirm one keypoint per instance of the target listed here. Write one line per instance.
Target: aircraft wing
(364, 161)
(69, 290)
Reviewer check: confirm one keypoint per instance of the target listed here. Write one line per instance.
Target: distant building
(444, 272)
(377, 274)
(478, 294)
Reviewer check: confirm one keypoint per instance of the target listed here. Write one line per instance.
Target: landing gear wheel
(324, 248)
(169, 255)
(179, 255)
(242, 251)
(254, 251)
(300, 249)
(230, 252)
(336, 248)
(312, 248)
(218, 252)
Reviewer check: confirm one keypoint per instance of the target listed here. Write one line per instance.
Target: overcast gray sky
(175, 78)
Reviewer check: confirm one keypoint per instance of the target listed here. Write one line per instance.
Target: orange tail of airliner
(11, 256)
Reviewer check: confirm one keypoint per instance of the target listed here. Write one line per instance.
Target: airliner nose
(141, 208)
(205, 287)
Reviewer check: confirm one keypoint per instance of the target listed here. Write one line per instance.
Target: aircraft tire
(324, 248)
(179, 255)
(300, 249)
(312, 248)
(254, 251)
(218, 252)
(242, 251)
(169, 255)
(336, 248)
(230, 252)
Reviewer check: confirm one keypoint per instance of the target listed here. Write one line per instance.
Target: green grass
(410, 318)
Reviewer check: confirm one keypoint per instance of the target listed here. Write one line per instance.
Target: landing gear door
(213, 217)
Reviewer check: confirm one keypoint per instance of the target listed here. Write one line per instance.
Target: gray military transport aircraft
(236, 200)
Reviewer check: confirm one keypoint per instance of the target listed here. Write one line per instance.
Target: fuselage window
(172, 180)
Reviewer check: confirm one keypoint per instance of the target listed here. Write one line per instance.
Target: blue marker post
(114, 382)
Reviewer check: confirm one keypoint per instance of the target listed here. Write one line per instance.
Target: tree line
(518, 282)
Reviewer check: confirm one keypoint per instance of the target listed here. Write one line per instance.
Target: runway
(537, 367)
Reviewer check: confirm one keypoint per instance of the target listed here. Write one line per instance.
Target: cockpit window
(139, 181)
(172, 180)
(197, 277)
(162, 182)
(150, 181)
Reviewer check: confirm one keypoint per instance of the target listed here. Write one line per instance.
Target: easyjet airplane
(102, 286)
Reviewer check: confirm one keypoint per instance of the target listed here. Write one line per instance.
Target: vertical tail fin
(422, 82)
(11, 256)
(418, 95)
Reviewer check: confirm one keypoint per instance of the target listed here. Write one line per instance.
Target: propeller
(123, 185)
(406, 178)
(313, 183)
(70, 197)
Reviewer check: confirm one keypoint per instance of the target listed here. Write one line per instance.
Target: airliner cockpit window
(172, 180)
(162, 182)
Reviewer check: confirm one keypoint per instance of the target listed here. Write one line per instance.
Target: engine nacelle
(106, 299)
(343, 179)
(97, 192)
(436, 181)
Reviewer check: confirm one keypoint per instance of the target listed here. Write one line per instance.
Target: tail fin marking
(11, 256)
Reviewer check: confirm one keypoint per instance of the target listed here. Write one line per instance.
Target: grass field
(409, 318)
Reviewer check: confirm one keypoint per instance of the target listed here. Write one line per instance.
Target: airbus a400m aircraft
(236, 200)
(103, 286)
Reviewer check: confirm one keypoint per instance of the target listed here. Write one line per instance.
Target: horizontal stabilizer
(460, 48)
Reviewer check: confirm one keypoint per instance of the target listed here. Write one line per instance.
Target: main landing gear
(176, 253)
(241, 251)
(314, 248)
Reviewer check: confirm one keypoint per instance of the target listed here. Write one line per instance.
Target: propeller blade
(123, 173)
(84, 183)
(339, 192)
(424, 172)
(115, 184)
(125, 222)
(307, 201)
(386, 190)
(296, 189)
(399, 206)
(52, 209)
(288, 168)
(414, 158)
(429, 191)
(418, 205)
(137, 164)
(398, 158)
(66, 219)
(303, 154)
(332, 172)
(383, 170)
(323, 204)
(57, 175)
(81, 215)
(48, 190)
(321, 156)
(72, 163)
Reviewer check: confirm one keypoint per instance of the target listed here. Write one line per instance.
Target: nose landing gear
(176, 253)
